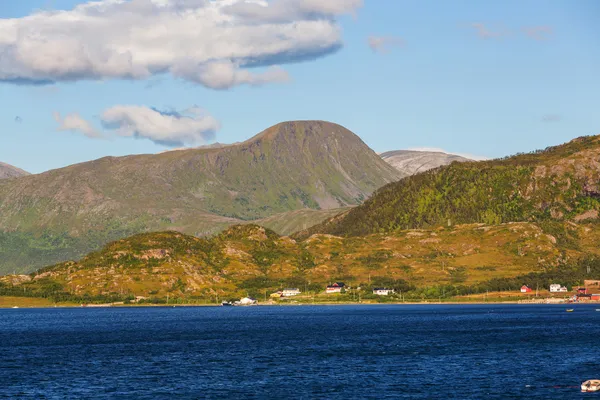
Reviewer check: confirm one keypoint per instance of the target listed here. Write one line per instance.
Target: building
(584, 297)
(335, 288)
(581, 290)
(278, 293)
(383, 291)
(595, 297)
(246, 301)
(525, 289)
(290, 292)
(556, 288)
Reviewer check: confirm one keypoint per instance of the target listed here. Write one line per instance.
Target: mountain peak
(411, 162)
(294, 165)
(8, 171)
(302, 129)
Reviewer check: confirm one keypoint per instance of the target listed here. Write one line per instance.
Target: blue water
(396, 351)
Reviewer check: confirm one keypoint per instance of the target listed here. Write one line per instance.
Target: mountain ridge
(554, 184)
(411, 162)
(290, 166)
(9, 171)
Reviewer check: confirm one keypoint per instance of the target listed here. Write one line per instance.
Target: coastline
(16, 305)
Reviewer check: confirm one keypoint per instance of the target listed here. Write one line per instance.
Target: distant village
(334, 288)
(589, 292)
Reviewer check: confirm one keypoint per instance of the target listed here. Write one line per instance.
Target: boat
(226, 303)
(569, 310)
(592, 385)
(15, 307)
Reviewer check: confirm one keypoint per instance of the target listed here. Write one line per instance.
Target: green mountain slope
(293, 221)
(250, 260)
(65, 213)
(559, 183)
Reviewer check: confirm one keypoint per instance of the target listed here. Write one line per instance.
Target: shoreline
(437, 303)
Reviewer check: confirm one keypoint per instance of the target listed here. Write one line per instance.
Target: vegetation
(248, 260)
(555, 184)
(66, 213)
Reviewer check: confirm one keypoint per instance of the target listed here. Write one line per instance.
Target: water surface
(383, 351)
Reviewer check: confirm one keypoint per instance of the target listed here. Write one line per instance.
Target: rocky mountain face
(63, 214)
(411, 162)
(8, 171)
(557, 184)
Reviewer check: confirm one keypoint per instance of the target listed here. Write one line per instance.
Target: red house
(582, 290)
(525, 289)
(335, 288)
(595, 297)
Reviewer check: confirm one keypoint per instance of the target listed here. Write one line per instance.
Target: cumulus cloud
(382, 44)
(169, 128)
(290, 10)
(75, 123)
(539, 32)
(197, 40)
(225, 74)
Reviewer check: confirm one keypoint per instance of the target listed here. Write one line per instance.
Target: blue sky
(470, 77)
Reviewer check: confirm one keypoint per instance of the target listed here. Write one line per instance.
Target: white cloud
(75, 123)
(225, 74)
(290, 10)
(198, 40)
(169, 128)
(382, 44)
(438, 150)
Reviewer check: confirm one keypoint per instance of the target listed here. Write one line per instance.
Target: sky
(80, 80)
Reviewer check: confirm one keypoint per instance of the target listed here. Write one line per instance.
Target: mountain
(251, 260)
(556, 184)
(411, 162)
(8, 171)
(65, 213)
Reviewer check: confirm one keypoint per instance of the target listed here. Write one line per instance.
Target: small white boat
(592, 385)
(15, 307)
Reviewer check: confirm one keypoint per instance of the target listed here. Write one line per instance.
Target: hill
(65, 213)
(556, 184)
(8, 171)
(242, 260)
(411, 162)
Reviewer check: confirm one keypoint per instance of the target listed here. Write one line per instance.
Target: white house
(383, 292)
(246, 301)
(290, 292)
(556, 288)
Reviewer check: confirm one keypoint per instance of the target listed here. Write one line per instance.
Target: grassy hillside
(293, 221)
(252, 260)
(65, 213)
(556, 184)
